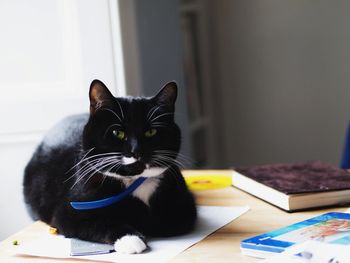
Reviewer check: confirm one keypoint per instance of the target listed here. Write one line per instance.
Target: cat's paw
(130, 244)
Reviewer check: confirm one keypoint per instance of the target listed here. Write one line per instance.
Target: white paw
(129, 244)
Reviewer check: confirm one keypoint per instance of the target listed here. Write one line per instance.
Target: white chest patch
(146, 190)
(148, 187)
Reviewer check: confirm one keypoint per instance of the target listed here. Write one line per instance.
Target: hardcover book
(296, 186)
(333, 228)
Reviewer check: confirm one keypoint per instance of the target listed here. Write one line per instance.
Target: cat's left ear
(167, 95)
(99, 95)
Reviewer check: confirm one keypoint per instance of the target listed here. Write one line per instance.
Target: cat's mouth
(147, 172)
(132, 167)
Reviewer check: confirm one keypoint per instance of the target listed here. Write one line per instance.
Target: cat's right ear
(99, 95)
(167, 95)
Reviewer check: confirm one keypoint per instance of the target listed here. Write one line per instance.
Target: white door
(50, 51)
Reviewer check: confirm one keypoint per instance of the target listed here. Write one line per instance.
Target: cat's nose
(134, 148)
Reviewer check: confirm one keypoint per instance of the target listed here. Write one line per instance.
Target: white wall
(282, 77)
(50, 51)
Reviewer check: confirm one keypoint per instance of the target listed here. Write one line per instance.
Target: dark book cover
(302, 177)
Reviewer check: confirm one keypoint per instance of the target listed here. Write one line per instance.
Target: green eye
(119, 134)
(151, 133)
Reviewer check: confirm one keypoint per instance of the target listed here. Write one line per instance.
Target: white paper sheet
(210, 218)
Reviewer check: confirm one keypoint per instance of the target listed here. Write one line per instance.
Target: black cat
(95, 156)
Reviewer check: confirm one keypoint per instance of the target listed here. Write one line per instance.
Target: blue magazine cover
(330, 228)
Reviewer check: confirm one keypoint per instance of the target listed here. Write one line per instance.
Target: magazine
(333, 228)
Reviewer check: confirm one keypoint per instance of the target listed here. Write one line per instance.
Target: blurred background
(259, 81)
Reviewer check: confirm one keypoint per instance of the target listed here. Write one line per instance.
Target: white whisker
(94, 170)
(170, 160)
(97, 155)
(99, 170)
(81, 159)
(93, 166)
(161, 115)
(149, 116)
(170, 168)
(121, 109)
(114, 154)
(176, 155)
(114, 113)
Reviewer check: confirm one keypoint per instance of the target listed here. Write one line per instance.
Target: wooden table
(222, 246)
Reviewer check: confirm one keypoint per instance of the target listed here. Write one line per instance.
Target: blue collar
(110, 200)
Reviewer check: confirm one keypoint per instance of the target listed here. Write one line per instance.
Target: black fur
(50, 182)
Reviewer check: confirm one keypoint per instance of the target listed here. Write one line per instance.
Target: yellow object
(53, 231)
(207, 179)
(15, 243)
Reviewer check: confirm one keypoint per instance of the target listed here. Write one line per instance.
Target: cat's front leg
(173, 213)
(124, 237)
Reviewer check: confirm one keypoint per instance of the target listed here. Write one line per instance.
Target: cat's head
(131, 136)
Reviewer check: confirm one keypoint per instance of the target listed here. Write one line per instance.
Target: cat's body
(96, 156)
